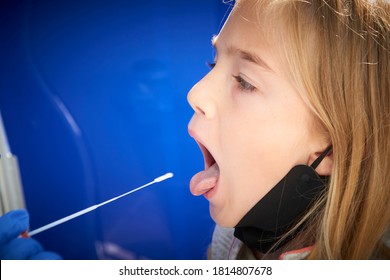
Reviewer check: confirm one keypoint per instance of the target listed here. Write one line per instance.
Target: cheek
(253, 146)
(246, 176)
(258, 156)
(256, 172)
(257, 150)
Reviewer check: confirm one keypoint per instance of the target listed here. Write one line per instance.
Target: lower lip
(209, 194)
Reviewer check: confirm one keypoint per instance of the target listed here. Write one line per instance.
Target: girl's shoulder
(224, 246)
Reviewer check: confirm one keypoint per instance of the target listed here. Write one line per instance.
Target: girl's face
(250, 123)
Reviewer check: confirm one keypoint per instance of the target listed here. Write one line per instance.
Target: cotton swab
(91, 208)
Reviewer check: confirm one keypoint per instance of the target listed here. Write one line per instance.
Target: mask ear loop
(315, 164)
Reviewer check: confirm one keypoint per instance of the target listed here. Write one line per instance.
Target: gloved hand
(13, 247)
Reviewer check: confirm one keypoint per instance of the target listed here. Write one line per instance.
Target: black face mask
(281, 208)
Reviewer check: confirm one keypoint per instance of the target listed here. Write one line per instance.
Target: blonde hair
(338, 55)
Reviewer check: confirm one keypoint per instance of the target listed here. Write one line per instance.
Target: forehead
(243, 20)
(247, 25)
(245, 30)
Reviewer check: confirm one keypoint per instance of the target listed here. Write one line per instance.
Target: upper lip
(208, 157)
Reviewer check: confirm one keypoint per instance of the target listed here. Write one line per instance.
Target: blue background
(93, 98)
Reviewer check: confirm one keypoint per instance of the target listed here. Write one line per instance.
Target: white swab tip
(164, 177)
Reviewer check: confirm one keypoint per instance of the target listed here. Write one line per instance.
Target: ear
(326, 165)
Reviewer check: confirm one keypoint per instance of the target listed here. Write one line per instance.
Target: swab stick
(93, 207)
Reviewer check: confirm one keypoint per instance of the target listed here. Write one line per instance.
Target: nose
(201, 100)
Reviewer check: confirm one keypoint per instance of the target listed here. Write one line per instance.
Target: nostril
(199, 110)
(201, 103)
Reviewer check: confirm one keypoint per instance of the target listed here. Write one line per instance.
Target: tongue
(204, 180)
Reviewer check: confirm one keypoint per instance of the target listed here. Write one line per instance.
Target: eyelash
(211, 65)
(242, 83)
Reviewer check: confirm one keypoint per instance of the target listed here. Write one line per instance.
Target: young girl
(293, 122)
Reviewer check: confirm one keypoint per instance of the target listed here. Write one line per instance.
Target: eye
(243, 84)
(211, 65)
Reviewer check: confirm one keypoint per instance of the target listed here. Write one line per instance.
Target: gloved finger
(12, 224)
(20, 249)
(46, 255)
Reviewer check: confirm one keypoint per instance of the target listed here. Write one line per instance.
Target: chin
(222, 221)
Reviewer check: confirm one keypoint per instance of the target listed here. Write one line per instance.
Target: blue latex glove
(13, 247)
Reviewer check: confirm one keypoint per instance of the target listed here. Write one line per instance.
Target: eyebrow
(246, 55)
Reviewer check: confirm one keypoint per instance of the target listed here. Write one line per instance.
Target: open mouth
(204, 181)
(207, 156)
